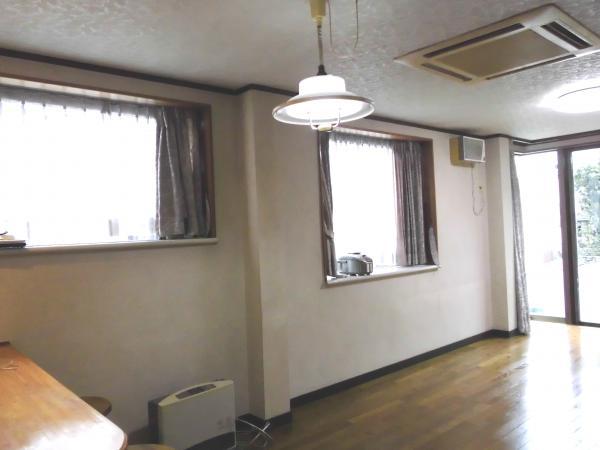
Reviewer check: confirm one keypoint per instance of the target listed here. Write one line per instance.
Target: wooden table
(37, 412)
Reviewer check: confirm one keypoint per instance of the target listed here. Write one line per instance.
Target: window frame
(429, 209)
(566, 188)
(127, 97)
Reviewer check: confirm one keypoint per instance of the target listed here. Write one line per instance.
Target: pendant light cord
(357, 35)
(320, 41)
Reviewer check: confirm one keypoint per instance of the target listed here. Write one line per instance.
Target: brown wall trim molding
(113, 71)
(263, 88)
(287, 418)
(423, 126)
(516, 140)
(550, 140)
(377, 373)
(505, 334)
(36, 57)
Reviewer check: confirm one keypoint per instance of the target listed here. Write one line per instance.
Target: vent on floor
(541, 36)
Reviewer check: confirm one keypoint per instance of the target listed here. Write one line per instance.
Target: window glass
(70, 175)
(586, 181)
(540, 202)
(364, 200)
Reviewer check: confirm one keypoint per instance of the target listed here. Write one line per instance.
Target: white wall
(265, 264)
(136, 324)
(132, 325)
(501, 234)
(339, 332)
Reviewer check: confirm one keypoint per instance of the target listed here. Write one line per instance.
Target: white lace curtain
(82, 170)
(377, 193)
(75, 171)
(364, 196)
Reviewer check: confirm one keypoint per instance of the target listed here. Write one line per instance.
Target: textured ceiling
(272, 42)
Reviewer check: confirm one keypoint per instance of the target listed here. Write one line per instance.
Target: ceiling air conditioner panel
(501, 55)
(541, 36)
(479, 38)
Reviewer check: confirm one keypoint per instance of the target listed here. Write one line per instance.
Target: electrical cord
(253, 442)
(356, 38)
(476, 211)
(10, 365)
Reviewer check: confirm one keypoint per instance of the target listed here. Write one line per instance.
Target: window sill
(106, 246)
(380, 273)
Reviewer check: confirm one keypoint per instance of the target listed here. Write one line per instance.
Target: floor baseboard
(142, 435)
(276, 421)
(360, 379)
(505, 333)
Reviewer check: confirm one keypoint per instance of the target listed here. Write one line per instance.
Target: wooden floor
(541, 392)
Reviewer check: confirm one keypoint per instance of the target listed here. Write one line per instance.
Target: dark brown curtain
(183, 207)
(329, 259)
(411, 247)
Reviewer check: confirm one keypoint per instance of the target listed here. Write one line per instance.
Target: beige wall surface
(132, 325)
(335, 333)
(501, 234)
(135, 324)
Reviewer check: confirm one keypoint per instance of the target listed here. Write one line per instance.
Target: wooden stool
(149, 447)
(100, 404)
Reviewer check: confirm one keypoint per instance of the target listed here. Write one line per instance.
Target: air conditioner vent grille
(446, 72)
(566, 35)
(544, 35)
(475, 40)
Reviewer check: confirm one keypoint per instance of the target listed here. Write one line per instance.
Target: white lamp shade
(323, 103)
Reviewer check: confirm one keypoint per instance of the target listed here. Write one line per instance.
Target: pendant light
(323, 101)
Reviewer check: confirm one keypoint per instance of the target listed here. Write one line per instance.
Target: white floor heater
(197, 417)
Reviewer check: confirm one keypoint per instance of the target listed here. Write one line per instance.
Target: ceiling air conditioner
(544, 35)
(466, 151)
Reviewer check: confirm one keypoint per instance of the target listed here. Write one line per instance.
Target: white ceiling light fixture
(323, 102)
(577, 98)
(580, 101)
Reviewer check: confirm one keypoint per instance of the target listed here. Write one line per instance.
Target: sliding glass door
(560, 198)
(585, 167)
(540, 201)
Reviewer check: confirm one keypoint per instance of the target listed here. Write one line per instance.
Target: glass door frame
(569, 233)
(535, 312)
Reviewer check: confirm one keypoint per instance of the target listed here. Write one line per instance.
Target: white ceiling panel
(272, 42)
